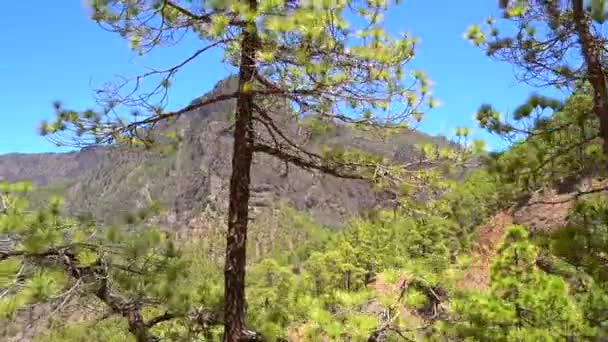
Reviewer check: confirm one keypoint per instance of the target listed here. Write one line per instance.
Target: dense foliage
(524, 304)
(127, 271)
(390, 274)
(322, 288)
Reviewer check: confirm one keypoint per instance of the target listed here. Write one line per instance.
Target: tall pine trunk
(238, 212)
(595, 71)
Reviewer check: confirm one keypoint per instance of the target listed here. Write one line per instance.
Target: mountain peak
(225, 86)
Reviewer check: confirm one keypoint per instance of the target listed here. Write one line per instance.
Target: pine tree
(584, 243)
(298, 59)
(547, 150)
(556, 43)
(524, 304)
(128, 272)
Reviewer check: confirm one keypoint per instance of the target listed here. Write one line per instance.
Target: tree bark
(595, 72)
(238, 211)
(130, 311)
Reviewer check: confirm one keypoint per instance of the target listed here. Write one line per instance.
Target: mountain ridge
(105, 181)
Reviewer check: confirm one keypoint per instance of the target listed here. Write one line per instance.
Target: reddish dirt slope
(477, 275)
(545, 212)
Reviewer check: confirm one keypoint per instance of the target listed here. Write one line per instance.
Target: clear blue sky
(54, 51)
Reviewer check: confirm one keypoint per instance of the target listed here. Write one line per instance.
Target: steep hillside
(111, 181)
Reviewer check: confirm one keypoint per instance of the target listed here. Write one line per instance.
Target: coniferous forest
(297, 201)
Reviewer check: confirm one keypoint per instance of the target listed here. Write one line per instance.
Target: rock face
(547, 211)
(194, 179)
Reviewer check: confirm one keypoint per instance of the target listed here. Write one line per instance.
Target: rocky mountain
(109, 182)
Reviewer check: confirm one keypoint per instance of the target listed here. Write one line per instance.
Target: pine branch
(309, 161)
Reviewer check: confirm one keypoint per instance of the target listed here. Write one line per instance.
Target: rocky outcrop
(546, 211)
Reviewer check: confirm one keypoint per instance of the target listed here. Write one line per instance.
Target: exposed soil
(545, 212)
(477, 275)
